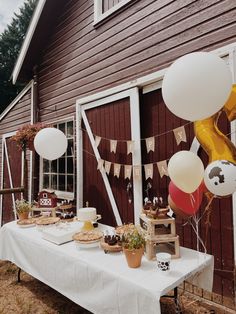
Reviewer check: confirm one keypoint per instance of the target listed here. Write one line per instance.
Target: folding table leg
(175, 297)
(18, 275)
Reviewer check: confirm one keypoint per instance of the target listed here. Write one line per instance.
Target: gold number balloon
(214, 142)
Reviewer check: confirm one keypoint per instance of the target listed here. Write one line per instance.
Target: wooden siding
(111, 121)
(20, 114)
(147, 36)
(157, 119)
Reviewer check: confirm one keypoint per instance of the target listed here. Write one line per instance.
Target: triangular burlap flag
(137, 172)
(150, 144)
(128, 171)
(130, 147)
(162, 168)
(117, 170)
(148, 171)
(180, 135)
(113, 144)
(97, 140)
(107, 166)
(100, 164)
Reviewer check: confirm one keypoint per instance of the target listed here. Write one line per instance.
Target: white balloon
(220, 177)
(50, 143)
(186, 170)
(196, 86)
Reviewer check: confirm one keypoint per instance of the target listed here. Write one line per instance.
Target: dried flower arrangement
(25, 135)
(22, 206)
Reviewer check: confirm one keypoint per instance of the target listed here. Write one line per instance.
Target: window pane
(61, 183)
(45, 181)
(70, 165)
(61, 127)
(62, 165)
(70, 148)
(70, 181)
(45, 165)
(54, 182)
(54, 166)
(70, 129)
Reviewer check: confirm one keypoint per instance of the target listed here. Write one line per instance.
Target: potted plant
(133, 242)
(23, 208)
(24, 137)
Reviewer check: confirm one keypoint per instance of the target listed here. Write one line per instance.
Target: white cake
(87, 214)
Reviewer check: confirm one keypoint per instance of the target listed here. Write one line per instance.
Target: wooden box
(155, 228)
(168, 245)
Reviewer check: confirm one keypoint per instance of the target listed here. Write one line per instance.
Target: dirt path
(31, 296)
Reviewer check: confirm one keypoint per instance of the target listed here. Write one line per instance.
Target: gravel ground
(32, 296)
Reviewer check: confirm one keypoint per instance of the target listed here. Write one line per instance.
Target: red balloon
(189, 203)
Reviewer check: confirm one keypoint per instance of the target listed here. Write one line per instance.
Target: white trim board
(15, 101)
(27, 40)
(133, 95)
(99, 16)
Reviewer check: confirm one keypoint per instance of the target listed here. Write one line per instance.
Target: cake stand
(88, 224)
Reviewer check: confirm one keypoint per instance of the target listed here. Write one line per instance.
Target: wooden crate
(155, 228)
(168, 245)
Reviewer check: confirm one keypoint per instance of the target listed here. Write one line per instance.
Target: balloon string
(208, 210)
(192, 200)
(198, 236)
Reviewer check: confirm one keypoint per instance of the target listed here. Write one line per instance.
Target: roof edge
(27, 40)
(15, 101)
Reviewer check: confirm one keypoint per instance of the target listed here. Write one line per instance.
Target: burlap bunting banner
(162, 168)
(97, 140)
(150, 144)
(100, 164)
(107, 166)
(148, 171)
(113, 145)
(180, 135)
(128, 171)
(117, 170)
(137, 170)
(130, 147)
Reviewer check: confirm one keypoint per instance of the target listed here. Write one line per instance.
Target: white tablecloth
(101, 283)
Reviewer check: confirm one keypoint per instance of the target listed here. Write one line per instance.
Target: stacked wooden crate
(160, 236)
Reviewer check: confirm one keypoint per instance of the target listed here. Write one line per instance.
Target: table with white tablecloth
(101, 283)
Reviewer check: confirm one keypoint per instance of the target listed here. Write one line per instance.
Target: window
(59, 174)
(104, 8)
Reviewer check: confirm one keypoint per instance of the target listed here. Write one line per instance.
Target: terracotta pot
(24, 215)
(134, 257)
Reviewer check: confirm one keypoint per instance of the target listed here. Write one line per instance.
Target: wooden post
(25, 175)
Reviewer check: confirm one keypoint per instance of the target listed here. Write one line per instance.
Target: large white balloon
(220, 177)
(186, 170)
(50, 143)
(196, 86)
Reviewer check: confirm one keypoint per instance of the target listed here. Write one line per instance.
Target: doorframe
(156, 78)
(5, 155)
(133, 95)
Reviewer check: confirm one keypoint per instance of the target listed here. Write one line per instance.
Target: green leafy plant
(22, 206)
(133, 238)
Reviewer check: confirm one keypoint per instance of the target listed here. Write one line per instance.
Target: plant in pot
(23, 208)
(133, 242)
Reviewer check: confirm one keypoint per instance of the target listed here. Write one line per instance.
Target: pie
(88, 236)
(47, 221)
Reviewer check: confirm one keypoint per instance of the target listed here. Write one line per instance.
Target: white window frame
(99, 16)
(59, 193)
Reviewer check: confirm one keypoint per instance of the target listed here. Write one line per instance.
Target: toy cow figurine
(47, 199)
